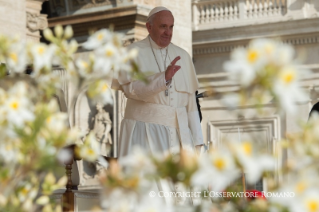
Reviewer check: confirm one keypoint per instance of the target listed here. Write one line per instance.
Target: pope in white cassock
(161, 115)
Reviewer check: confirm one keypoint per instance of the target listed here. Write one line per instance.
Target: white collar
(155, 46)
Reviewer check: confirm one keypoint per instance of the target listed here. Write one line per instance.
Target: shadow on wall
(297, 5)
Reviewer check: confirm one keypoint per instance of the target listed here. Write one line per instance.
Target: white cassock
(153, 120)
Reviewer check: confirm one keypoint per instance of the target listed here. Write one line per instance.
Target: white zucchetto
(156, 10)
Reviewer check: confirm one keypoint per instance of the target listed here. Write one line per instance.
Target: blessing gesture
(172, 69)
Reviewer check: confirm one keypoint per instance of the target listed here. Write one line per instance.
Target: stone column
(34, 20)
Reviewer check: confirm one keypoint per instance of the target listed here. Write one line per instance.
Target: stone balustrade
(208, 14)
(265, 8)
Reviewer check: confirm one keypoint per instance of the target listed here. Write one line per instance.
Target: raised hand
(172, 69)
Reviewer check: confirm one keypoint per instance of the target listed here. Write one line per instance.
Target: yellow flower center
(300, 187)
(40, 50)
(14, 105)
(269, 48)
(14, 57)
(24, 191)
(90, 152)
(48, 119)
(288, 77)
(100, 37)
(247, 148)
(312, 205)
(104, 88)
(85, 64)
(252, 56)
(219, 163)
(8, 147)
(109, 53)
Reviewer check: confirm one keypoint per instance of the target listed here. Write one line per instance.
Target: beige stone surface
(13, 18)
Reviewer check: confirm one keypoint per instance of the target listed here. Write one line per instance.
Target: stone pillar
(13, 18)
(34, 20)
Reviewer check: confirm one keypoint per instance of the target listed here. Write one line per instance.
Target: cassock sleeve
(142, 91)
(194, 121)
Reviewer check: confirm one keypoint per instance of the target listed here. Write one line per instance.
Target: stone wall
(13, 18)
(22, 18)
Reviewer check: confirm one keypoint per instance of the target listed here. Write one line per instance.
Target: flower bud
(73, 46)
(68, 32)
(48, 34)
(58, 30)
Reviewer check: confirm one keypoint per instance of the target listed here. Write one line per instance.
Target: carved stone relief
(100, 120)
(102, 127)
(36, 22)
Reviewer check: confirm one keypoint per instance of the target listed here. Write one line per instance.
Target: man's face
(161, 30)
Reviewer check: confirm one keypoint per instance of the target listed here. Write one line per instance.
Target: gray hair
(151, 19)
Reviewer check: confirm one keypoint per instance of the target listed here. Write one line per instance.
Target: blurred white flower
(105, 57)
(304, 196)
(90, 150)
(138, 159)
(288, 90)
(17, 107)
(17, 58)
(140, 164)
(240, 71)
(18, 111)
(8, 152)
(84, 67)
(20, 89)
(57, 122)
(123, 63)
(216, 169)
(98, 39)
(42, 56)
(27, 192)
(125, 200)
(254, 164)
(308, 203)
(100, 92)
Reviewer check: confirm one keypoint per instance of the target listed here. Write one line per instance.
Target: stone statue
(102, 129)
